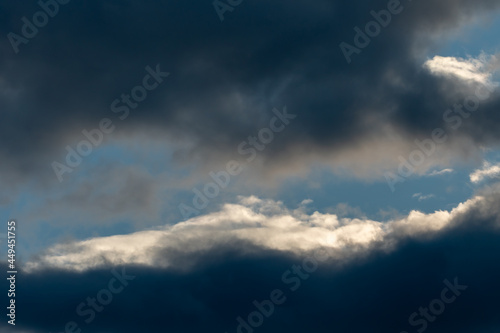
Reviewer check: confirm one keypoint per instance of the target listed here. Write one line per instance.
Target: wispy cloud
(439, 173)
(422, 197)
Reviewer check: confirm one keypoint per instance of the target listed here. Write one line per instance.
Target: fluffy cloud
(207, 272)
(478, 70)
(488, 171)
(253, 222)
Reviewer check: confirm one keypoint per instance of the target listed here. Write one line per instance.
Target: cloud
(202, 274)
(479, 70)
(422, 197)
(380, 274)
(261, 223)
(488, 171)
(439, 173)
(239, 71)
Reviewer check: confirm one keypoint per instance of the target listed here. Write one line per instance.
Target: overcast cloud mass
(250, 166)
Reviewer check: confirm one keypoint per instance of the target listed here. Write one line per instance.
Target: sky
(251, 166)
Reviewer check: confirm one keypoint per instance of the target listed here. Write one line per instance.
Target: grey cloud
(226, 77)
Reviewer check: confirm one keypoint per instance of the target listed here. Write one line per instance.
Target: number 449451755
(11, 243)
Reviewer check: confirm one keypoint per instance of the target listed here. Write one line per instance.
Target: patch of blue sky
(375, 198)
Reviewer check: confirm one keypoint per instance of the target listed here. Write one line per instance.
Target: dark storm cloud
(376, 292)
(225, 76)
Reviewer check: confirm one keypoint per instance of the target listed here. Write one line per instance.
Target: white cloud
(471, 69)
(265, 224)
(488, 171)
(440, 173)
(422, 197)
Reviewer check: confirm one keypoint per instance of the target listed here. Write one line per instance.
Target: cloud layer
(260, 223)
(206, 272)
(334, 272)
(262, 56)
